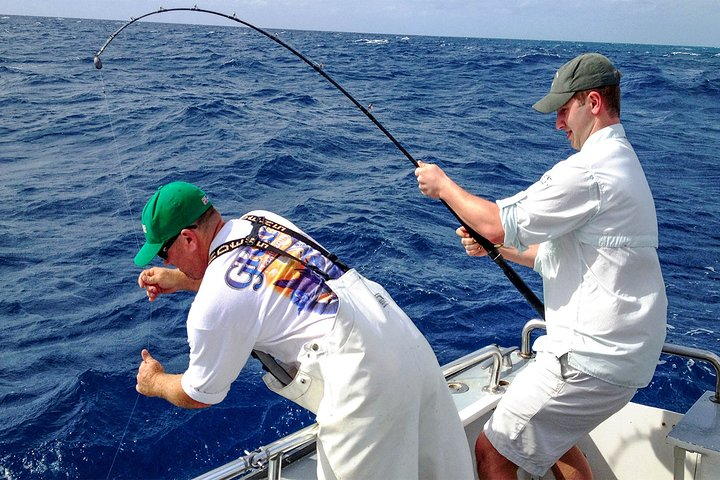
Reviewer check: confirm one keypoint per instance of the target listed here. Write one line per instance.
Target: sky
(667, 22)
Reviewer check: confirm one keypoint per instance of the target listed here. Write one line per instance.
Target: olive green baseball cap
(171, 208)
(584, 72)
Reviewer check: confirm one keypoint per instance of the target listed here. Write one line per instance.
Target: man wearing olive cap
(342, 347)
(588, 227)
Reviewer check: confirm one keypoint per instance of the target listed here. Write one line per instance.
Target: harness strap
(252, 240)
(255, 220)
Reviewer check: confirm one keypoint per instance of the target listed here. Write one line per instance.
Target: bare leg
(491, 464)
(572, 466)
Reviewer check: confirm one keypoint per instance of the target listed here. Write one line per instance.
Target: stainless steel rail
(490, 352)
(668, 348)
(527, 330)
(698, 354)
(271, 454)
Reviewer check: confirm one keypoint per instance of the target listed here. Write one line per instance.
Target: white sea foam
(699, 331)
(373, 41)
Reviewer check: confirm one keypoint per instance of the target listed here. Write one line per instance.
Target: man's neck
(603, 121)
(220, 224)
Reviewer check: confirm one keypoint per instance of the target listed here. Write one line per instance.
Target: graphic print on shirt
(257, 269)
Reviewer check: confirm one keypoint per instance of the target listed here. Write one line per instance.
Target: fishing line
(491, 249)
(128, 203)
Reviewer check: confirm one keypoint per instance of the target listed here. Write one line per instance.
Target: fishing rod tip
(97, 62)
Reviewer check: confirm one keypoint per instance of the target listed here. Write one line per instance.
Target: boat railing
(273, 455)
(668, 348)
(698, 354)
(530, 326)
(487, 353)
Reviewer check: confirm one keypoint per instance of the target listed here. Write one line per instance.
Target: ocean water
(82, 149)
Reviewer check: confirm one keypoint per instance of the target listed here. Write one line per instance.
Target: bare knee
(490, 463)
(572, 466)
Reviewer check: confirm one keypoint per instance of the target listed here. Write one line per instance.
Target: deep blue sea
(82, 149)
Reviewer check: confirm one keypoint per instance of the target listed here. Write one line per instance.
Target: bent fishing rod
(489, 247)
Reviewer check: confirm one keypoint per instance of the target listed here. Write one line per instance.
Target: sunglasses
(163, 253)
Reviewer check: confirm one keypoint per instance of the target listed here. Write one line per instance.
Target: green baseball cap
(173, 207)
(584, 72)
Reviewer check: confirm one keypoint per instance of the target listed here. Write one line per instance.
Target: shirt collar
(612, 131)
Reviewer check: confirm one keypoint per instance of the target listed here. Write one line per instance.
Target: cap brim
(147, 253)
(552, 102)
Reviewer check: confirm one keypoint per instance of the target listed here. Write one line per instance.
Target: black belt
(253, 241)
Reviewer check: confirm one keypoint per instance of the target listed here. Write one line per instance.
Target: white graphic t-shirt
(254, 299)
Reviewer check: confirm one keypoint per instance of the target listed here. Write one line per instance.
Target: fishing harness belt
(254, 241)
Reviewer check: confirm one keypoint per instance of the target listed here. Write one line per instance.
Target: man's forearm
(480, 214)
(169, 387)
(526, 258)
(186, 283)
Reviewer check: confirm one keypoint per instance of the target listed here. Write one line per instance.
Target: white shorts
(547, 409)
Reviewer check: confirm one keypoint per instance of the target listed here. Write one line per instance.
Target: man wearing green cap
(588, 226)
(338, 344)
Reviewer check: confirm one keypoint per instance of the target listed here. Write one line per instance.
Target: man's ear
(191, 238)
(596, 101)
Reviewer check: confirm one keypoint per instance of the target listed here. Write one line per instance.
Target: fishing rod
(489, 247)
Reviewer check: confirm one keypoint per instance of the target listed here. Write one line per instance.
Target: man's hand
(431, 179)
(158, 281)
(147, 375)
(472, 248)
(152, 381)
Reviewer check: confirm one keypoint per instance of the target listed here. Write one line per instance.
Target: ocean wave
(372, 41)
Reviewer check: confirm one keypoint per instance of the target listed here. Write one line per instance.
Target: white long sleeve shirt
(593, 217)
